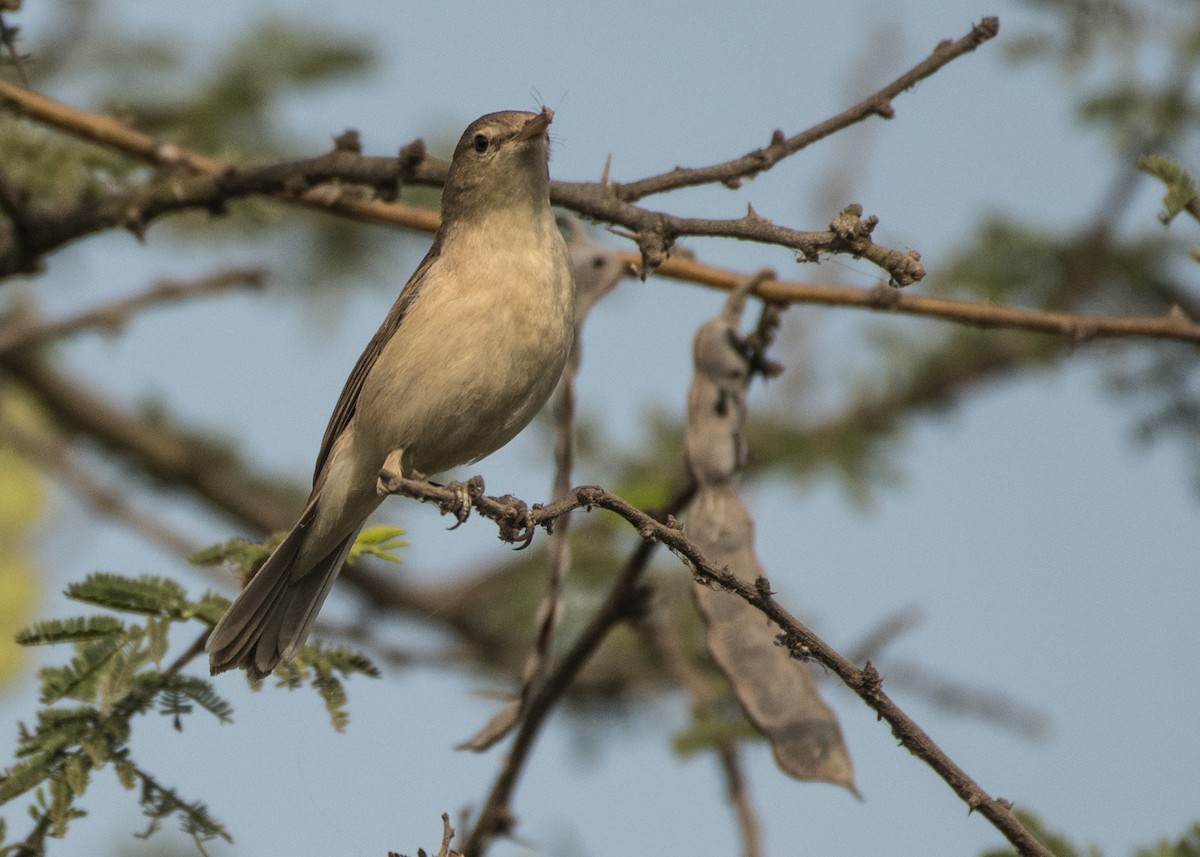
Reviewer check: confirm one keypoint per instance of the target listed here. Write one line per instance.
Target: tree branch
(113, 316)
(752, 163)
(162, 454)
(516, 523)
(44, 449)
(1079, 327)
(306, 182)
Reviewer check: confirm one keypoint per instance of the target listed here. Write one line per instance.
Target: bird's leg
(391, 472)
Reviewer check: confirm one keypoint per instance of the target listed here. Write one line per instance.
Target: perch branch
(310, 178)
(516, 522)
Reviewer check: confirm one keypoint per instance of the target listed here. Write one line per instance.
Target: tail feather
(272, 616)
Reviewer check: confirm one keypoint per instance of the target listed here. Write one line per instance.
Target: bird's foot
(391, 473)
(464, 494)
(517, 524)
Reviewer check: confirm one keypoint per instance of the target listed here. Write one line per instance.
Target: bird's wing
(347, 402)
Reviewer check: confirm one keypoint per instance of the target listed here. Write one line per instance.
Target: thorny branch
(333, 183)
(316, 183)
(752, 163)
(655, 231)
(517, 522)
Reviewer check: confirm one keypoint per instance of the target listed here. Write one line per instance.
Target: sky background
(1052, 558)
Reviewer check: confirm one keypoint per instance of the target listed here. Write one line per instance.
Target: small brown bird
(470, 351)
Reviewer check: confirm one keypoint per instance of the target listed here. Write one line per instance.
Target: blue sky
(1051, 557)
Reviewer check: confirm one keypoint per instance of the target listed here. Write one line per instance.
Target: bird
(469, 352)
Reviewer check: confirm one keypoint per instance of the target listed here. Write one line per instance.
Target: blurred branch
(516, 523)
(115, 134)
(597, 270)
(112, 317)
(55, 457)
(664, 636)
(14, 202)
(8, 37)
(752, 163)
(883, 634)
(159, 451)
(162, 452)
(982, 704)
(625, 600)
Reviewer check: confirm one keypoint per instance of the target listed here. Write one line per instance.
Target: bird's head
(500, 161)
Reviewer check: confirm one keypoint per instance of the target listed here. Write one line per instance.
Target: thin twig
(113, 316)
(514, 518)
(780, 147)
(738, 792)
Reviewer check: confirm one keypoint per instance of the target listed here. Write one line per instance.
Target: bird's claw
(517, 524)
(460, 506)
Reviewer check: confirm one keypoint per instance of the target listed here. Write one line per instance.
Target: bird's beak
(536, 127)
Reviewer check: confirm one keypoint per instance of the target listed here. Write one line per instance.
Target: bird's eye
(481, 143)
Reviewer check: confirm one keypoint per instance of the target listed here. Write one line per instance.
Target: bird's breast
(477, 355)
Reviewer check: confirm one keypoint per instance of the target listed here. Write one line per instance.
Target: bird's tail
(272, 616)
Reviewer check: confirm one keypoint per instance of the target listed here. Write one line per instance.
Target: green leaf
(57, 727)
(77, 679)
(378, 541)
(24, 776)
(154, 596)
(126, 773)
(199, 691)
(60, 811)
(76, 772)
(1181, 189)
(239, 553)
(156, 639)
(159, 803)
(711, 731)
(1186, 846)
(69, 630)
(316, 664)
(1058, 844)
(210, 608)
